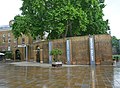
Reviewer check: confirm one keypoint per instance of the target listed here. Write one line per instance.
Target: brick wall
(79, 51)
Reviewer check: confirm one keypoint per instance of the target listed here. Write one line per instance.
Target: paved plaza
(36, 75)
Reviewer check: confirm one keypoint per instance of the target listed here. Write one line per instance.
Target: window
(3, 35)
(8, 34)
(9, 40)
(23, 40)
(9, 48)
(3, 40)
(15, 40)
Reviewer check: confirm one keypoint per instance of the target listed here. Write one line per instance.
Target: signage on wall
(22, 45)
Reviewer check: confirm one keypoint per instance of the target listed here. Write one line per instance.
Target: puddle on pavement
(64, 77)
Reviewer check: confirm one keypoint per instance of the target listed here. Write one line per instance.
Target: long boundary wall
(79, 50)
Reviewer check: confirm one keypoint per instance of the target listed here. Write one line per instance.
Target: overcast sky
(10, 8)
(112, 12)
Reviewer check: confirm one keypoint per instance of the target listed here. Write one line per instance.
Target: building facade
(7, 40)
(18, 46)
(76, 50)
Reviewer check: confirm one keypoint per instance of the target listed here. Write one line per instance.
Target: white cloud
(112, 12)
(9, 9)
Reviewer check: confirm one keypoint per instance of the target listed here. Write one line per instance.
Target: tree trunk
(66, 30)
(70, 29)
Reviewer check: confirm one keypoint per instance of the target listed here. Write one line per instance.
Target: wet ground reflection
(64, 77)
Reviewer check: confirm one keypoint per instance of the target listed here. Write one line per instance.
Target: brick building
(77, 48)
(7, 40)
(9, 43)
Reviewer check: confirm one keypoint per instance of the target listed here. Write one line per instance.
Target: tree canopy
(115, 43)
(60, 18)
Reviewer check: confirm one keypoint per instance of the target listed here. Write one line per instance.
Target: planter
(56, 64)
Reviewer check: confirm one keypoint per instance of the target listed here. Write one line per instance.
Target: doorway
(37, 54)
(17, 55)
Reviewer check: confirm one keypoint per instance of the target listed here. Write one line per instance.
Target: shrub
(56, 52)
(8, 55)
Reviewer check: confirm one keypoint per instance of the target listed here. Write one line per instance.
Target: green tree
(21, 26)
(56, 52)
(94, 10)
(61, 18)
(115, 43)
(9, 55)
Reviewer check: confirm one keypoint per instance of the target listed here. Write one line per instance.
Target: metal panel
(92, 50)
(68, 51)
(50, 49)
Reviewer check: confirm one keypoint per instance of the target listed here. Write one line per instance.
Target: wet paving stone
(12, 76)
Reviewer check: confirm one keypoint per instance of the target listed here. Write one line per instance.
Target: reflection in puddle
(26, 73)
(93, 76)
(63, 77)
(116, 77)
(69, 77)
